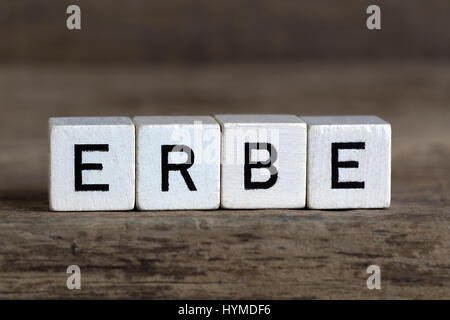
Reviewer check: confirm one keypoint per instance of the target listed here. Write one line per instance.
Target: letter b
(268, 164)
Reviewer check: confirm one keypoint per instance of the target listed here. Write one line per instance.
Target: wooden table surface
(228, 254)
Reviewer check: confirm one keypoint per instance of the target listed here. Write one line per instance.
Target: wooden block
(263, 161)
(178, 163)
(91, 164)
(349, 162)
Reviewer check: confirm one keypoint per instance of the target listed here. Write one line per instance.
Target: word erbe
(232, 161)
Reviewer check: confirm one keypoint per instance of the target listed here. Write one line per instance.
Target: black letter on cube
(182, 167)
(249, 165)
(336, 164)
(79, 167)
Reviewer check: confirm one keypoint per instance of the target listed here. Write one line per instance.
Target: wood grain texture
(229, 254)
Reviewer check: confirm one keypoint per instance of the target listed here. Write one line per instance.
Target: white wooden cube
(349, 162)
(263, 161)
(178, 163)
(92, 164)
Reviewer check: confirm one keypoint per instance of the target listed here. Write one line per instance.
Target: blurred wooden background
(289, 254)
(306, 57)
(137, 31)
